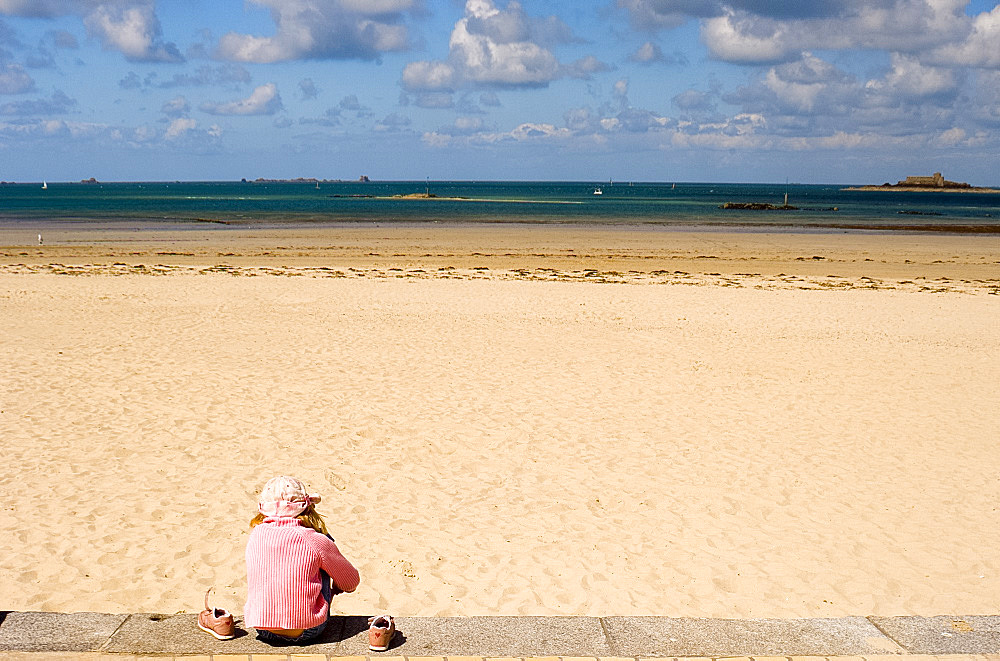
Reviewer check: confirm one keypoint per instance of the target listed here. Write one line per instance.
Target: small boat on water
(598, 191)
(45, 185)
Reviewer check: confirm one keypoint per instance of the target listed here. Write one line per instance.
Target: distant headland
(934, 183)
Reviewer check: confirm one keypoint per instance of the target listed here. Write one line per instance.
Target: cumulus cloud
(811, 97)
(909, 79)
(393, 122)
(650, 53)
(493, 47)
(57, 104)
(586, 67)
(463, 126)
(176, 107)
(527, 132)
(264, 100)
(323, 29)
(128, 26)
(694, 100)
(15, 80)
(430, 76)
(809, 86)
(179, 127)
(980, 49)
(749, 31)
(135, 31)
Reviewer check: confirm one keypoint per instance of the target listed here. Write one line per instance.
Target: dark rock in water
(758, 206)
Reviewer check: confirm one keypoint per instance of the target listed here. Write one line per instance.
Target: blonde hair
(310, 518)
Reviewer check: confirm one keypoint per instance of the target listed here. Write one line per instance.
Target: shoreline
(513, 247)
(307, 222)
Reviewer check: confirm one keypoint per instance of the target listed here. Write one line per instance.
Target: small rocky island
(934, 183)
(758, 206)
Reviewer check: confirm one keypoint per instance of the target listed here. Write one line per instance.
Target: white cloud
(179, 127)
(740, 38)
(392, 123)
(586, 67)
(527, 132)
(128, 26)
(535, 131)
(651, 15)
(323, 29)
(952, 137)
(134, 30)
(430, 76)
(461, 126)
(910, 79)
(59, 103)
(648, 52)
(264, 100)
(15, 80)
(750, 31)
(694, 100)
(802, 88)
(980, 49)
(492, 47)
(176, 107)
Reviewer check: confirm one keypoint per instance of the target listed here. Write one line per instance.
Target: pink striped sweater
(283, 582)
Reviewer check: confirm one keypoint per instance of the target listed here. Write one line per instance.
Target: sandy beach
(517, 421)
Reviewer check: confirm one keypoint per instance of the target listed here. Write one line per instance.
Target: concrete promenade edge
(37, 635)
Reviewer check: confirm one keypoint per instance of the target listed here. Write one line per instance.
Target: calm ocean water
(666, 205)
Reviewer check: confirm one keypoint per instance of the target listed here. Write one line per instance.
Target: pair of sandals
(220, 623)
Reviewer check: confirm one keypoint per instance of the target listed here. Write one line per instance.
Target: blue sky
(814, 91)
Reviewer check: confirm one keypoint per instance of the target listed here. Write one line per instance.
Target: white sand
(504, 447)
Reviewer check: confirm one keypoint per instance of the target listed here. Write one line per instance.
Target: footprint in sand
(336, 481)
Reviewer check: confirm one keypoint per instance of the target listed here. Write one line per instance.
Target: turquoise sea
(621, 204)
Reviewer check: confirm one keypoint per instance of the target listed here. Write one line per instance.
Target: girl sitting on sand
(293, 566)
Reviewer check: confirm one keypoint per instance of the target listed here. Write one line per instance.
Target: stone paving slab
(55, 632)
(306, 656)
(491, 636)
(945, 634)
(662, 636)
(348, 636)
(149, 633)
(571, 638)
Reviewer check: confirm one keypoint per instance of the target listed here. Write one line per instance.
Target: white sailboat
(45, 185)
